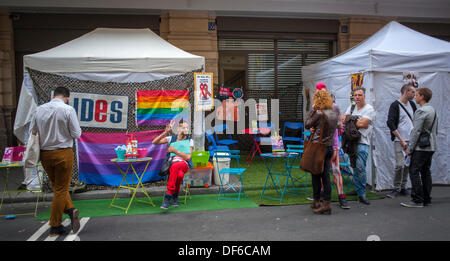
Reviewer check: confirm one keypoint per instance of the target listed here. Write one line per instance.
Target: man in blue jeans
(366, 117)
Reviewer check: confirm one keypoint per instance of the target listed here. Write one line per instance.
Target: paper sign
(204, 91)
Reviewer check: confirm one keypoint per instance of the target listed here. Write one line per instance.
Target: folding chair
(297, 127)
(226, 184)
(302, 178)
(213, 146)
(222, 129)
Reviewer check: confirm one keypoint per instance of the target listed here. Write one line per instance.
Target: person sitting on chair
(181, 150)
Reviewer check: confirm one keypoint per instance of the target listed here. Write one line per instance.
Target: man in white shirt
(366, 116)
(57, 125)
(400, 122)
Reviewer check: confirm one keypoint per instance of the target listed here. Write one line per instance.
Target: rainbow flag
(159, 107)
(95, 151)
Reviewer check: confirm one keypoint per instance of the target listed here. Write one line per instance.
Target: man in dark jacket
(400, 123)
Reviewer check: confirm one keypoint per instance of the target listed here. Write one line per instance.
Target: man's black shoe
(59, 230)
(364, 200)
(22, 187)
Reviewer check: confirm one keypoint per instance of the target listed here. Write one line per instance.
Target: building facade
(255, 45)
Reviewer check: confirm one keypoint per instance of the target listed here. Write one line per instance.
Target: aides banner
(100, 111)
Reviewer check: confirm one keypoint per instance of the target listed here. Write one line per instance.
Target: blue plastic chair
(297, 127)
(223, 129)
(226, 184)
(213, 146)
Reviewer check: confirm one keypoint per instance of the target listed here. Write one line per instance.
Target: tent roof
(395, 47)
(115, 50)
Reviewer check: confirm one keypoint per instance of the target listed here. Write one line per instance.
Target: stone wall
(190, 31)
(357, 30)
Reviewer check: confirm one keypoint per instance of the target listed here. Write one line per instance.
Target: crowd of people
(413, 131)
(413, 128)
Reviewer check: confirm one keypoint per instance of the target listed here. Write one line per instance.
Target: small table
(138, 186)
(256, 133)
(274, 177)
(6, 190)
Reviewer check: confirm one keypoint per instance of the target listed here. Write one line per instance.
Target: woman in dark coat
(322, 111)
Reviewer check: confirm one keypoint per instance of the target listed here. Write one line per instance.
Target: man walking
(57, 125)
(366, 116)
(422, 145)
(400, 123)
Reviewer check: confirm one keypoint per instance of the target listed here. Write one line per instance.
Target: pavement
(385, 219)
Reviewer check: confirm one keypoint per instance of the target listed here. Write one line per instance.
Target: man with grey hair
(366, 117)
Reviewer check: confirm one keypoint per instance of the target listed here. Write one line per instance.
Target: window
(270, 68)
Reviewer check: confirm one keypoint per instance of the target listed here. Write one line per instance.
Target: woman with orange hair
(322, 113)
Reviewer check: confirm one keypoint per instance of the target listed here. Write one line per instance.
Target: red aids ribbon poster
(204, 98)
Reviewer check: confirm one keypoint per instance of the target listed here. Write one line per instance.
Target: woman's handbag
(32, 151)
(313, 158)
(424, 137)
(166, 166)
(168, 162)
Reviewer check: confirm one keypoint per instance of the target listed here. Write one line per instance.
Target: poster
(261, 110)
(204, 98)
(357, 80)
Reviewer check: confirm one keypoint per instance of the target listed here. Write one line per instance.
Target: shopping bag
(31, 157)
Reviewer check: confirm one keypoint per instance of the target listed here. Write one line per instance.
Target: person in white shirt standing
(400, 122)
(57, 125)
(366, 117)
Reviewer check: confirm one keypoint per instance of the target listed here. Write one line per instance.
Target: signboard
(100, 111)
(204, 99)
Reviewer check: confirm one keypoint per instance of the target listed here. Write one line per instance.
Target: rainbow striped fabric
(159, 107)
(95, 151)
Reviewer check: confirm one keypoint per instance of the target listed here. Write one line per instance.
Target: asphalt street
(383, 220)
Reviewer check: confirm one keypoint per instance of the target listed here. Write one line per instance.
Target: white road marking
(373, 238)
(66, 222)
(74, 237)
(40, 231)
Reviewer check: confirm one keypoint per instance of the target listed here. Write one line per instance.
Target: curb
(157, 191)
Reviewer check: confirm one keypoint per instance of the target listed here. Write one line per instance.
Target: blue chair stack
(222, 129)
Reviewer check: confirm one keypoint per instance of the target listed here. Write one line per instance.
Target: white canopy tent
(383, 58)
(106, 55)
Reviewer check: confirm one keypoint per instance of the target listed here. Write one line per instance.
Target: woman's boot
(315, 204)
(325, 208)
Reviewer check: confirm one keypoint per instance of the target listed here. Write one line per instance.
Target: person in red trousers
(180, 149)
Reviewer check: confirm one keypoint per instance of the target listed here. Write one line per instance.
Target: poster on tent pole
(204, 98)
(357, 80)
